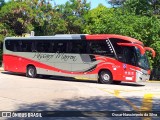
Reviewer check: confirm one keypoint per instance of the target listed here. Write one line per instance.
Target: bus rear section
(105, 58)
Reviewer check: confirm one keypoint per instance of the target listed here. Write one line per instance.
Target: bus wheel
(105, 77)
(31, 72)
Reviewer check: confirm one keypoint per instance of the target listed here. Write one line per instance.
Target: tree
(73, 13)
(48, 20)
(142, 7)
(44, 15)
(17, 16)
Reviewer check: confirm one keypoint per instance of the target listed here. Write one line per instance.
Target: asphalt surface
(19, 93)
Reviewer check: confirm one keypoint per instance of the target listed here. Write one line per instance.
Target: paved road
(19, 93)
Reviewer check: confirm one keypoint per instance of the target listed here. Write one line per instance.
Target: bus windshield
(142, 60)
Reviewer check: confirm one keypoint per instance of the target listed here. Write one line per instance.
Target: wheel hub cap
(106, 77)
(31, 72)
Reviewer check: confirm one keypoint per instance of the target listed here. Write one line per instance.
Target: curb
(154, 81)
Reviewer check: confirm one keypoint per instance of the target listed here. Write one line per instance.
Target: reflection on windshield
(142, 60)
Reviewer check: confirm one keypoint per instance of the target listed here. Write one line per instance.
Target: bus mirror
(142, 50)
(150, 49)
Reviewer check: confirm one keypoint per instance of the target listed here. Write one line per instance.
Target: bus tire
(105, 77)
(31, 72)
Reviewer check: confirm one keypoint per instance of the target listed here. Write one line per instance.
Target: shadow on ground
(75, 108)
(11, 73)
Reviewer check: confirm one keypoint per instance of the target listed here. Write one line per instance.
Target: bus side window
(39, 46)
(78, 47)
(13, 45)
(17, 45)
(100, 47)
(46, 46)
(61, 46)
(27, 46)
(9, 45)
(51, 47)
(42, 46)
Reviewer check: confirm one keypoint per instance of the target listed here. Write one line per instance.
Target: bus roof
(108, 36)
(81, 36)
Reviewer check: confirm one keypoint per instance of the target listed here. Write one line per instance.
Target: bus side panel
(11, 63)
(119, 70)
(15, 63)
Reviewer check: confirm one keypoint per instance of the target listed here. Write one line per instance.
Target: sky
(94, 3)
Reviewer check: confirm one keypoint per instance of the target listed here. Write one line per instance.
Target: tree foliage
(142, 7)
(18, 16)
(73, 13)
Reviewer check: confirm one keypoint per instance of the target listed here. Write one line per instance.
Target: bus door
(129, 60)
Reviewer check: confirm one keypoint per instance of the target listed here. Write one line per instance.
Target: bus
(107, 58)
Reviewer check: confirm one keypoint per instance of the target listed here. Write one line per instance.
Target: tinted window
(19, 45)
(46, 46)
(117, 47)
(61, 46)
(129, 55)
(77, 46)
(51, 46)
(9, 45)
(13, 45)
(42, 45)
(100, 47)
(27, 46)
(125, 54)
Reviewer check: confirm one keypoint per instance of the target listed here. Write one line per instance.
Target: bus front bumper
(142, 77)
